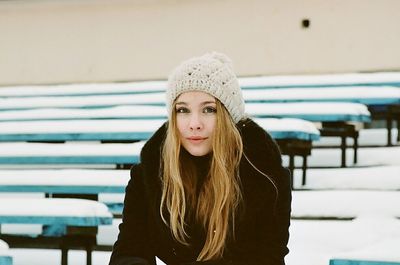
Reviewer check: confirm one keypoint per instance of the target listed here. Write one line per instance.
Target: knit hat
(211, 73)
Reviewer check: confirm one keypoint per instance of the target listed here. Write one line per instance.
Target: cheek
(212, 125)
(180, 125)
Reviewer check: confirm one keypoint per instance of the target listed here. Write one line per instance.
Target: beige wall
(62, 41)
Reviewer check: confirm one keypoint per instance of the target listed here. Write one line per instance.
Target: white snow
(69, 149)
(355, 178)
(52, 207)
(345, 204)
(330, 109)
(82, 101)
(79, 89)
(343, 93)
(259, 81)
(109, 126)
(367, 191)
(64, 177)
(307, 108)
(373, 95)
(4, 251)
(112, 112)
(331, 79)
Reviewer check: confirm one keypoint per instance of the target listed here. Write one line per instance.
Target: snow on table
(69, 153)
(368, 95)
(384, 237)
(83, 89)
(365, 95)
(317, 242)
(355, 178)
(345, 204)
(347, 79)
(97, 101)
(131, 129)
(3, 250)
(77, 181)
(144, 113)
(51, 211)
(118, 112)
(312, 111)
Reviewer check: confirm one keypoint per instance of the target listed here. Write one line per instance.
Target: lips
(196, 139)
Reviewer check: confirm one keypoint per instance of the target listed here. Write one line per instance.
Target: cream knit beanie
(211, 73)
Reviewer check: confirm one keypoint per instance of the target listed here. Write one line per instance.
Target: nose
(195, 123)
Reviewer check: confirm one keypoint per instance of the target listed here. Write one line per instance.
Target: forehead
(195, 96)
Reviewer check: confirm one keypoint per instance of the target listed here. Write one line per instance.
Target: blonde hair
(220, 194)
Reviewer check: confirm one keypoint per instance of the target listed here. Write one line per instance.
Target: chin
(198, 152)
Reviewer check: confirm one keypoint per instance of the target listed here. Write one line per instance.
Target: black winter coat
(261, 234)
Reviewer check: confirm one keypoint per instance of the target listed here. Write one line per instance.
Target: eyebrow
(202, 103)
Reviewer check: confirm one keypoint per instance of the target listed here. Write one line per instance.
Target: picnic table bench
(67, 223)
(294, 137)
(379, 91)
(63, 181)
(334, 119)
(322, 80)
(258, 82)
(383, 102)
(93, 184)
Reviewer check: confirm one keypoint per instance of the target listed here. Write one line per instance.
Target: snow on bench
(83, 89)
(5, 257)
(344, 204)
(312, 111)
(97, 183)
(380, 253)
(119, 112)
(382, 102)
(381, 239)
(316, 112)
(69, 153)
(89, 130)
(64, 181)
(364, 95)
(356, 178)
(328, 80)
(53, 211)
(293, 135)
(331, 80)
(67, 223)
(151, 99)
(97, 101)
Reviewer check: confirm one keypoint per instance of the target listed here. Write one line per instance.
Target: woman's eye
(182, 110)
(209, 110)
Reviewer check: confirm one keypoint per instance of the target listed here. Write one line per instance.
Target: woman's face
(196, 118)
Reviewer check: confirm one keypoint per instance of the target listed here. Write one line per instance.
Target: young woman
(210, 188)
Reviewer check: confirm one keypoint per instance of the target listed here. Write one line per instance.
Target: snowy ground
(367, 191)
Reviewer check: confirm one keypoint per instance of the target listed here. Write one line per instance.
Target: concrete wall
(63, 41)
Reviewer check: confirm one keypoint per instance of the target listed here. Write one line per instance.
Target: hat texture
(211, 73)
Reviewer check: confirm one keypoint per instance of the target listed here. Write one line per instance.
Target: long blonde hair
(219, 197)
